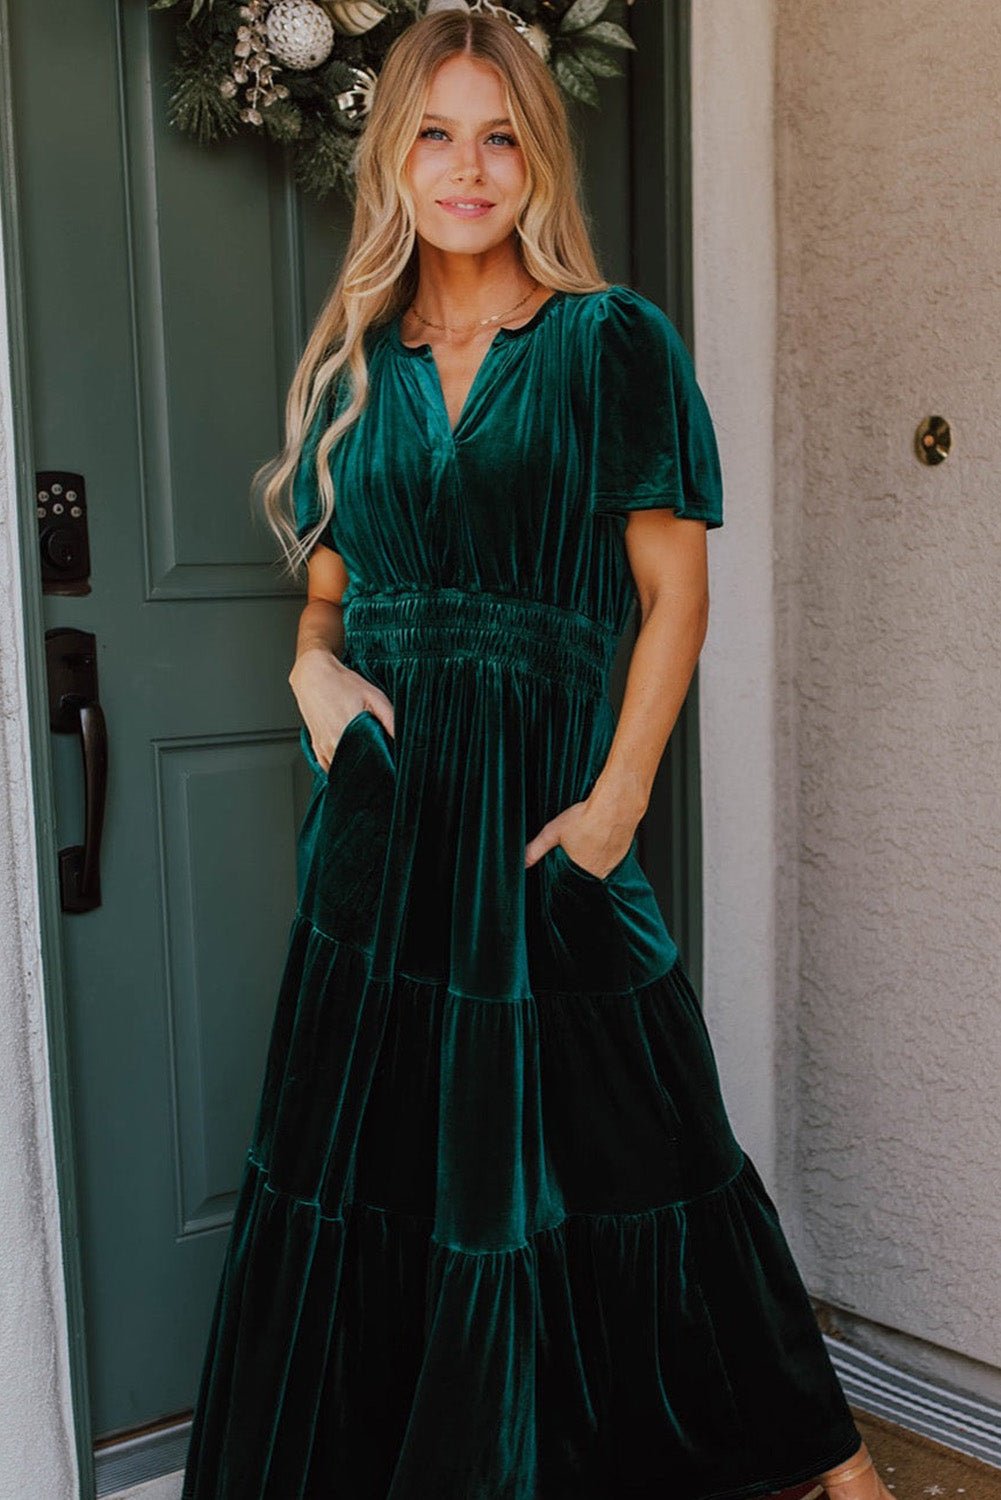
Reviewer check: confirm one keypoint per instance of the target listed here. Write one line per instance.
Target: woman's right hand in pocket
(329, 694)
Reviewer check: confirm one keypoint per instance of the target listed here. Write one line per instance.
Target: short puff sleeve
(306, 498)
(654, 443)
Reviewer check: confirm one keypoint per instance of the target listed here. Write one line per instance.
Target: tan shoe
(849, 1471)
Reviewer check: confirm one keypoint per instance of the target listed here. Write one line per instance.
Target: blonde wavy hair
(379, 273)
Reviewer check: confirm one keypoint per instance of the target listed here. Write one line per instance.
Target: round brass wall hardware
(933, 440)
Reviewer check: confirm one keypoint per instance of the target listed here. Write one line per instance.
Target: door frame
(661, 266)
(39, 742)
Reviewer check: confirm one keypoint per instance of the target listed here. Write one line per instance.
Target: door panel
(236, 796)
(214, 241)
(169, 291)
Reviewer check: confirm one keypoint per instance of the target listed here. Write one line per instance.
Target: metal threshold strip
(138, 1457)
(962, 1422)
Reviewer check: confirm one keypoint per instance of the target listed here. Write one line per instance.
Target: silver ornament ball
(300, 33)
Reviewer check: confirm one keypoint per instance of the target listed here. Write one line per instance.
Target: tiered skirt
(495, 1238)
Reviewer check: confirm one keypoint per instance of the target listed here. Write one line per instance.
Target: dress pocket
(599, 932)
(343, 882)
(579, 944)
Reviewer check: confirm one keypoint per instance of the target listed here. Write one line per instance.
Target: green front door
(168, 291)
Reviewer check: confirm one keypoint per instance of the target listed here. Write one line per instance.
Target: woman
(496, 1239)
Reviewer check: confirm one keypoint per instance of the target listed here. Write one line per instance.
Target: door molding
(43, 811)
(661, 237)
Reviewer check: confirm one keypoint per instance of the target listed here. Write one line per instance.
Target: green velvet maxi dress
(496, 1239)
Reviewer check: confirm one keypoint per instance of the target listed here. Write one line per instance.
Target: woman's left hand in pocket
(595, 837)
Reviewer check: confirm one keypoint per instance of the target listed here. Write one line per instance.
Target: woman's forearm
(661, 666)
(321, 627)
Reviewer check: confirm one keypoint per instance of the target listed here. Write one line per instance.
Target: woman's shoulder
(623, 337)
(622, 306)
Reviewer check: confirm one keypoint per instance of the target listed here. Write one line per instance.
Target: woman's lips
(459, 211)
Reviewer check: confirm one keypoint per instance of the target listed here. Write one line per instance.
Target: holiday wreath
(303, 72)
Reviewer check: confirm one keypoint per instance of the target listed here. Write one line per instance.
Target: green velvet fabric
(496, 1239)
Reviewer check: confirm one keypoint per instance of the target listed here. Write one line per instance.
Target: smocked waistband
(455, 624)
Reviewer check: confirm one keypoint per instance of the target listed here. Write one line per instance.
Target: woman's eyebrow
(446, 120)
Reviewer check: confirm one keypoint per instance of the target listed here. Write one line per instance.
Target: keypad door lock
(62, 532)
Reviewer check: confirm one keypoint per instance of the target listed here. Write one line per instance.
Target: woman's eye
(495, 135)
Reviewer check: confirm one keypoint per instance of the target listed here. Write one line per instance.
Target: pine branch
(197, 107)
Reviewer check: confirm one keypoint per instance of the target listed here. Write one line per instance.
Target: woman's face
(466, 168)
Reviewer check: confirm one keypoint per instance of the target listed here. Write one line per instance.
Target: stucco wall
(889, 709)
(36, 1442)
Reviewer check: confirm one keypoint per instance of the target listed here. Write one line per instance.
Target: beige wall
(889, 155)
(885, 863)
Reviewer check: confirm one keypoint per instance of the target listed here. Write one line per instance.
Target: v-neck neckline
(501, 336)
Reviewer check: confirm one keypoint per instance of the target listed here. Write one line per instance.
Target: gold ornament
(355, 17)
(253, 68)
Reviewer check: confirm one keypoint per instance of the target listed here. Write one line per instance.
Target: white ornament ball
(300, 33)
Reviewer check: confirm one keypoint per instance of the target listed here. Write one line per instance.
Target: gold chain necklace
(494, 318)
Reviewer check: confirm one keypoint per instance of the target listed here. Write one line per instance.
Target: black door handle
(71, 663)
